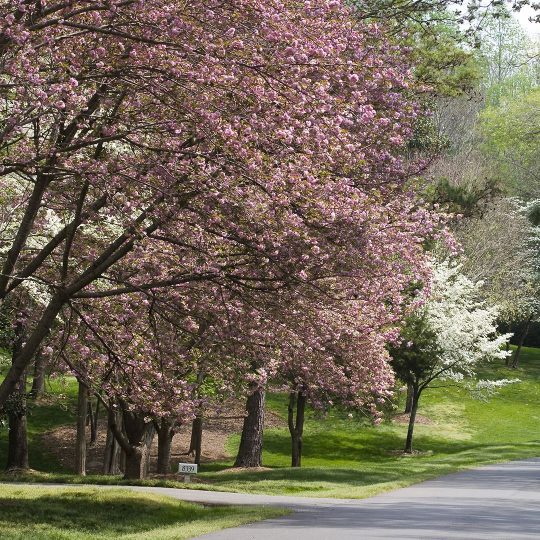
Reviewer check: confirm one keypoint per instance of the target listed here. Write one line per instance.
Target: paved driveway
(497, 502)
(494, 502)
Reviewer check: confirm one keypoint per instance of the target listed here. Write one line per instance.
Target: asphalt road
(497, 502)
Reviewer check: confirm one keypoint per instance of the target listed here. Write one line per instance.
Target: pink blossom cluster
(238, 162)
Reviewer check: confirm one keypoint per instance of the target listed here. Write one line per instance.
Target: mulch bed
(61, 441)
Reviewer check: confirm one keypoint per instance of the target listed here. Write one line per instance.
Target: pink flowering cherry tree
(154, 127)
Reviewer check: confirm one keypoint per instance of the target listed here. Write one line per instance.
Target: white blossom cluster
(465, 326)
(485, 389)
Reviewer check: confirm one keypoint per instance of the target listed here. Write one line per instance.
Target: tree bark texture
(138, 459)
(296, 427)
(409, 399)
(111, 457)
(515, 360)
(92, 421)
(113, 451)
(251, 442)
(136, 440)
(18, 434)
(80, 444)
(165, 436)
(195, 444)
(38, 380)
(412, 419)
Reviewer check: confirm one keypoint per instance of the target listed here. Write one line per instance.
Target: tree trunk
(136, 441)
(507, 359)
(27, 352)
(515, 361)
(195, 444)
(18, 434)
(18, 443)
(412, 419)
(165, 437)
(409, 399)
(38, 380)
(136, 463)
(296, 428)
(251, 442)
(80, 444)
(137, 460)
(111, 456)
(93, 417)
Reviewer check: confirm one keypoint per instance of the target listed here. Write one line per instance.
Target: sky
(532, 29)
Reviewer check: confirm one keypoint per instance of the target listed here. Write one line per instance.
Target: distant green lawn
(84, 513)
(348, 458)
(56, 409)
(343, 458)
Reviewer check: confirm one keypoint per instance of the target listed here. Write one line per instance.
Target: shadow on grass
(377, 447)
(375, 464)
(343, 476)
(102, 514)
(44, 416)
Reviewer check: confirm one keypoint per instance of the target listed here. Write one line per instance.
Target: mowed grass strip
(84, 513)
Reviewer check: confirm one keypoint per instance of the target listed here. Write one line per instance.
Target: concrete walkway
(497, 502)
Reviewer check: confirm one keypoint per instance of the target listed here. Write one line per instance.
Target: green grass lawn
(345, 458)
(348, 458)
(83, 513)
(56, 409)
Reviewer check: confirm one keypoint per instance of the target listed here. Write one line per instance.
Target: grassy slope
(88, 513)
(347, 458)
(56, 409)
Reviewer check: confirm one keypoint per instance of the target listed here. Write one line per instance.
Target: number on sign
(187, 468)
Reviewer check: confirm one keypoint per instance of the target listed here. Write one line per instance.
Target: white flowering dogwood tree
(447, 336)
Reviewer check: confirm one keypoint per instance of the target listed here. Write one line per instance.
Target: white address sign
(187, 468)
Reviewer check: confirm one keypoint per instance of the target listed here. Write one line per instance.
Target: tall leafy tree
(511, 140)
(508, 56)
(501, 249)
